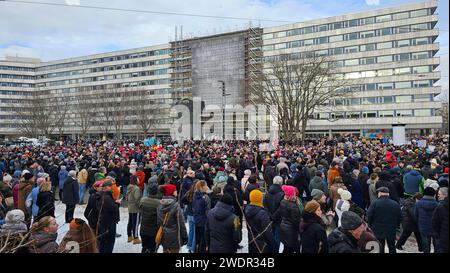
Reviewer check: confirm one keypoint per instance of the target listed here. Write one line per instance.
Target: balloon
(151, 141)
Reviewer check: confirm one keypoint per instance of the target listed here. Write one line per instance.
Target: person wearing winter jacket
(108, 217)
(33, 197)
(250, 187)
(317, 183)
(409, 224)
(342, 204)
(62, 177)
(148, 210)
(134, 195)
(290, 219)
(385, 181)
(413, 182)
(327, 214)
(334, 194)
(71, 195)
(174, 231)
(423, 212)
(223, 227)
(312, 229)
(362, 179)
(14, 223)
(272, 201)
(440, 223)
(431, 182)
(344, 239)
(371, 182)
(91, 212)
(356, 190)
(384, 216)
(82, 178)
(259, 224)
(333, 172)
(45, 201)
(43, 236)
(23, 190)
(233, 189)
(201, 204)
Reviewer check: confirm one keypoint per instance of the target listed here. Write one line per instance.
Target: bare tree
(60, 111)
(105, 113)
(143, 113)
(84, 111)
(291, 89)
(120, 101)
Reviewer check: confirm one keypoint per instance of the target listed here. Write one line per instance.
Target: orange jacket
(332, 174)
(115, 190)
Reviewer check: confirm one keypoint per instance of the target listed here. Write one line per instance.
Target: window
(322, 28)
(421, 69)
(419, 27)
(403, 70)
(384, 31)
(402, 57)
(336, 51)
(368, 20)
(339, 63)
(308, 42)
(407, 98)
(425, 83)
(418, 13)
(337, 115)
(293, 32)
(384, 59)
(388, 99)
(354, 101)
(368, 74)
(367, 34)
(401, 15)
(337, 25)
(351, 49)
(369, 100)
(386, 86)
(338, 102)
(322, 52)
(421, 41)
(368, 47)
(267, 36)
(400, 85)
(351, 62)
(383, 18)
(336, 38)
(423, 97)
(384, 45)
(422, 112)
(353, 114)
(402, 43)
(370, 60)
(386, 114)
(352, 75)
(352, 36)
(280, 46)
(323, 115)
(403, 113)
(369, 114)
(385, 72)
(268, 47)
(322, 40)
(402, 29)
(307, 30)
(353, 23)
(294, 44)
(420, 55)
(280, 34)
(371, 86)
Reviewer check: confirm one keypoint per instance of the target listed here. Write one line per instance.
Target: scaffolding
(253, 61)
(181, 66)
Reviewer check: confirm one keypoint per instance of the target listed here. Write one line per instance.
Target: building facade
(388, 56)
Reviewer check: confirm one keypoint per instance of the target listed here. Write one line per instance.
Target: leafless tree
(84, 111)
(60, 113)
(105, 113)
(120, 102)
(292, 89)
(143, 113)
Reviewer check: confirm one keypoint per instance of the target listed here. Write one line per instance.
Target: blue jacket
(413, 182)
(200, 207)
(2, 168)
(423, 211)
(384, 216)
(62, 176)
(34, 194)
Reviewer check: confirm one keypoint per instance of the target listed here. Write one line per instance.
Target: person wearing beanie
(342, 204)
(70, 195)
(108, 217)
(344, 239)
(384, 216)
(272, 201)
(362, 180)
(312, 229)
(223, 227)
(423, 212)
(148, 206)
(14, 223)
(233, 188)
(258, 220)
(6, 189)
(62, 177)
(250, 187)
(175, 234)
(81, 233)
(290, 219)
(409, 224)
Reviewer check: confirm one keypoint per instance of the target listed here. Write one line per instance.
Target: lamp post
(223, 108)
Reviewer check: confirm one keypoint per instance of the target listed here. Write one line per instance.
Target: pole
(223, 111)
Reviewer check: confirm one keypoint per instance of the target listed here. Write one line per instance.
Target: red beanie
(446, 170)
(169, 189)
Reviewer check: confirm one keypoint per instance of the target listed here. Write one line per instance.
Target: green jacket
(317, 183)
(134, 196)
(148, 210)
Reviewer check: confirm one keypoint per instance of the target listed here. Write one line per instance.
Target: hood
(310, 165)
(274, 189)
(414, 173)
(221, 211)
(23, 184)
(337, 236)
(198, 195)
(43, 238)
(251, 211)
(428, 203)
(167, 203)
(308, 219)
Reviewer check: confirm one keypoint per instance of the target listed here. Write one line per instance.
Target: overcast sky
(51, 33)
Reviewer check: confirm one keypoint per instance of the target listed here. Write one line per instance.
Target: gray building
(387, 55)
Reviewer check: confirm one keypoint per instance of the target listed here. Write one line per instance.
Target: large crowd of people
(327, 195)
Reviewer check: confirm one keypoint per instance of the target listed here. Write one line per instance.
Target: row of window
(15, 93)
(383, 100)
(388, 72)
(350, 23)
(21, 77)
(16, 68)
(376, 114)
(14, 84)
(106, 59)
(349, 36)
(90, 88)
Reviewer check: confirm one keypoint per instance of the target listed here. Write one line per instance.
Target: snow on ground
(122, 246)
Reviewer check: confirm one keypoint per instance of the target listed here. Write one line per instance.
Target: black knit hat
(227, 199)
(429, 191)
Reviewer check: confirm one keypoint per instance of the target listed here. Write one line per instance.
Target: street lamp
(223, 109)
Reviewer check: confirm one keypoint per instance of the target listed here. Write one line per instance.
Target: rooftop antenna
(181, 34)
(176, 36)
